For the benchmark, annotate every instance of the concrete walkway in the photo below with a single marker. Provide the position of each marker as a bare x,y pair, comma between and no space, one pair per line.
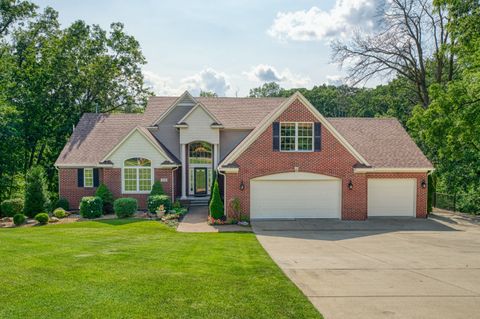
196,222
381,268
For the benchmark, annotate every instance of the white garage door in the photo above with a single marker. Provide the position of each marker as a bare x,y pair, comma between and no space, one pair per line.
391,197
295,195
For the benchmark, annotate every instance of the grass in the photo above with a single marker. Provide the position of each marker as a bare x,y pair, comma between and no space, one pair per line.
141,269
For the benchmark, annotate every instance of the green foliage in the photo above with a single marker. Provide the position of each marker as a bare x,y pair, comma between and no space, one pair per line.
270,89
216,204
63,203
107,198
431,193
11,207
59,212
125,207
236,207
157,189
91,207
154,201
42,218
177,204
208,94
19,219
36,196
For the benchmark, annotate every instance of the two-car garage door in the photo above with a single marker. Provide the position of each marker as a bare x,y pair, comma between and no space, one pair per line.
295,195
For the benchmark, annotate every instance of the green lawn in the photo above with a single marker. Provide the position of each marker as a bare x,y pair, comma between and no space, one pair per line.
140,269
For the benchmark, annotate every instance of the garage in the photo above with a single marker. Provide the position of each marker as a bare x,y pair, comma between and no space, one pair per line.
391,197
295,195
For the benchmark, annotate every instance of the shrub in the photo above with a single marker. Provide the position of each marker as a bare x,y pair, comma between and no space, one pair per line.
157,189
154,201
19,219
107,197
59,212
216,204
91,207
177,205
125,207
11,207
236,207
36,196
62,203
42,218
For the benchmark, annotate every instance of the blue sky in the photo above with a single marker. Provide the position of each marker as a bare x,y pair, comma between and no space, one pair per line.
229,46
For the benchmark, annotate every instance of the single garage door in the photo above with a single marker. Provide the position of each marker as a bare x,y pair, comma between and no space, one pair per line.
295,195
391,197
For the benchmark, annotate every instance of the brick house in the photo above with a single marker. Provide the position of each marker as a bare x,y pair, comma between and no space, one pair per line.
279,156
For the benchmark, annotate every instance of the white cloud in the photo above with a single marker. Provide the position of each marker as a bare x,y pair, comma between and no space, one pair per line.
335,80
316,24
266,73
205,80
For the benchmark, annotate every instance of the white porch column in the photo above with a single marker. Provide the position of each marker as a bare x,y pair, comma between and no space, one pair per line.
216,155
184,170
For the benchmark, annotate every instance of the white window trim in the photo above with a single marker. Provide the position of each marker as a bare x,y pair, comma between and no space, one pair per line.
296,150
84,178
137,174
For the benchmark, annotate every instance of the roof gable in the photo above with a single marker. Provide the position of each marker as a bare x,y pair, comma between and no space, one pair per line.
185,98
199,106
268,120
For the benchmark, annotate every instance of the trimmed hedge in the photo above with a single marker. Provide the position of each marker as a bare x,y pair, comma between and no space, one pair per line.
125,207
157,189
216,204
42,218
62,203
11,207
154,201
19,219
107,197
59,212
91,207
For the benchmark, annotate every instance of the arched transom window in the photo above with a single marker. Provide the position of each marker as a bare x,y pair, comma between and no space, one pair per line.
137,175
200,153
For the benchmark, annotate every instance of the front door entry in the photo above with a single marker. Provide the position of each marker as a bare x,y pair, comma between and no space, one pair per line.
200,180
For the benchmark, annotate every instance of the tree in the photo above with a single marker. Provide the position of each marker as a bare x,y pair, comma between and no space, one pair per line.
216,205
36,196
410,42
270,89
208,94
107,198
157,189
50,76
12,11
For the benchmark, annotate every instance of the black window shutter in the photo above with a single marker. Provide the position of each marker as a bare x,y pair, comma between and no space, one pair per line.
80,177
95,177
276,136
318,136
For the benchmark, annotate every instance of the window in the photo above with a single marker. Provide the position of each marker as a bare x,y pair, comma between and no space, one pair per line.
88,177
200,153
296,137
137,175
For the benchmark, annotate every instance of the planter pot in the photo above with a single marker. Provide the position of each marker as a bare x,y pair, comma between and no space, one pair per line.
160,214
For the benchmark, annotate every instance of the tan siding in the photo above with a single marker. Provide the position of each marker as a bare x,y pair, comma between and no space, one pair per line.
136,146
199,128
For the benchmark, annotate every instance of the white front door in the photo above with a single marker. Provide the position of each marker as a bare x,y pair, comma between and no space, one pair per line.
391,197
295,195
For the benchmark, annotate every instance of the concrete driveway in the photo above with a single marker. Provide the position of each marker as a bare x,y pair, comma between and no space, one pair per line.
383,268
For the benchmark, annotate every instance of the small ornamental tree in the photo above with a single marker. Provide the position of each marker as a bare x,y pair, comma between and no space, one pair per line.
157,189
216,204
107,198
214,179
36,196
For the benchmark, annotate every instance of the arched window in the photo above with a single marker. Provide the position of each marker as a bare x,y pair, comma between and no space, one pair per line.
137,175
200,153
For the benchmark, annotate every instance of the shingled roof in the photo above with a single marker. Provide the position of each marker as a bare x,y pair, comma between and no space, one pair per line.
383,143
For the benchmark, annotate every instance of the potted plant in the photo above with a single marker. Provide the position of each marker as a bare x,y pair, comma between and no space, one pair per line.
160,211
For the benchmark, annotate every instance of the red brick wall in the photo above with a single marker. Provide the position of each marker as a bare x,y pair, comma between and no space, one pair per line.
259,159
112,177
67,182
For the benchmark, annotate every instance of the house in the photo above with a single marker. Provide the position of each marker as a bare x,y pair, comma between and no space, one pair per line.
279,156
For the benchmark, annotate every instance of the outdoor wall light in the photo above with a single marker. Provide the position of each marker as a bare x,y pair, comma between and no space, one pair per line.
242,186
350,185
423,184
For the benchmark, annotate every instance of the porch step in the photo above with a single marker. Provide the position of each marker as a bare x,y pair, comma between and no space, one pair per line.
190,202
